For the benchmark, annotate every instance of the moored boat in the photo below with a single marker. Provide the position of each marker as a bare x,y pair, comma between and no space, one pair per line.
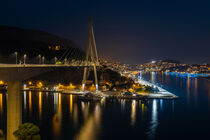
90,96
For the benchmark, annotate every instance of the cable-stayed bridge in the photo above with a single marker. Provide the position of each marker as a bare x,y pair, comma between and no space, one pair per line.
14,74
70,58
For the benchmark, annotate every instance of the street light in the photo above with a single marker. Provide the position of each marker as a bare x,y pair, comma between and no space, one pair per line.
39,56
24,58
16,53
56,59
43,59
65,60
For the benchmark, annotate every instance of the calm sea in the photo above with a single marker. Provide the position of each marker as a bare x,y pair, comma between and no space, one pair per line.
63,117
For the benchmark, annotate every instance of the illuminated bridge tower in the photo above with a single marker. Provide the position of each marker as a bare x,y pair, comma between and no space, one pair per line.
91,53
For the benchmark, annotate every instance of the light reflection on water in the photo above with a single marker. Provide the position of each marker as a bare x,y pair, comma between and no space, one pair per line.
161,104
153,77
196,89
209,93
75,115
122,104
55,102
188,89
56,120
91,127
59,107
30,103
133,112
1,105
40,105
62,116
24,97
154,120
85,110
71,104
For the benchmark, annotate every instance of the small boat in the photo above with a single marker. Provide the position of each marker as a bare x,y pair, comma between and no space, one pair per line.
90,97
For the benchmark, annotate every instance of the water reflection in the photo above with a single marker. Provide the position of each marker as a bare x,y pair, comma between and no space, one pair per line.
153,77
56,126
1,105
30,103
84,120
122,104
103,101
161,104
173,105
209,92
196,89
133,112
24,99
142,108
85,109
71,104
40,105
75,115
59,107
56,120
91,127
166,75
55,102
188,89
154,120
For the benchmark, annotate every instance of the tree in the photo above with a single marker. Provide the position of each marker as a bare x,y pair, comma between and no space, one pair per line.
27,131
1,135
148,89
140,89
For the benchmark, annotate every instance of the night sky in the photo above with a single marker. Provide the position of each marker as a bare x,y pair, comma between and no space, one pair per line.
131,31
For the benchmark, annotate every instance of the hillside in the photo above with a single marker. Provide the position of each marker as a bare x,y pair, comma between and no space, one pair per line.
33,43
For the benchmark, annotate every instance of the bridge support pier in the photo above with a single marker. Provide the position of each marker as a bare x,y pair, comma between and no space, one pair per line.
14,108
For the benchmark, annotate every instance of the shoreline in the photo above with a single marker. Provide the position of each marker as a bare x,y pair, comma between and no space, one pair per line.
161,94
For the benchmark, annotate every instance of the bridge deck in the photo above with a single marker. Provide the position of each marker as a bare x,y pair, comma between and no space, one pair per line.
41,65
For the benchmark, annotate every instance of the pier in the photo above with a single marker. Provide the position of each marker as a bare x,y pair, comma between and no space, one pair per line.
161,94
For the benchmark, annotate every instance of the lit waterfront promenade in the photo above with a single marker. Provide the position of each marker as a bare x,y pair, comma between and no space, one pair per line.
161,94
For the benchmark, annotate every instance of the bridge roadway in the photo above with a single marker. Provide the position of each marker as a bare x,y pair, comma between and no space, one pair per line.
42,65
14,74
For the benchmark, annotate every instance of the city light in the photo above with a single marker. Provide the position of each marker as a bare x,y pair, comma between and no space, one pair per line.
39,57
24,58
30,83
1,82
43,59
16,56
39,84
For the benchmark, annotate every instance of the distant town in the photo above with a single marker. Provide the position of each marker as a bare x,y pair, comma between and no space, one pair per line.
166,66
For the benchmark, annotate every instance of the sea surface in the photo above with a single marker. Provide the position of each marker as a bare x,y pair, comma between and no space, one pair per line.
63,117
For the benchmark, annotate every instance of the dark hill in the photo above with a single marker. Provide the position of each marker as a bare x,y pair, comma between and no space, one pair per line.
33,43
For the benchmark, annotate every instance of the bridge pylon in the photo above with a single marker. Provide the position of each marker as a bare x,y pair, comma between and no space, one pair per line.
91,53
